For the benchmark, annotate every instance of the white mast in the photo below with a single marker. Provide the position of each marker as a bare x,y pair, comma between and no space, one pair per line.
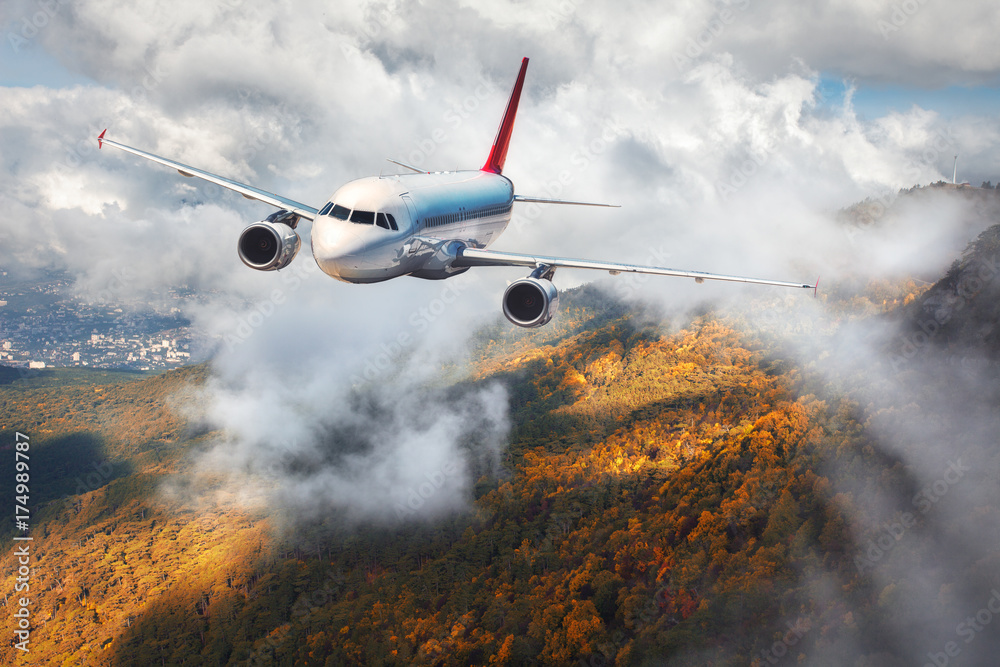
954,176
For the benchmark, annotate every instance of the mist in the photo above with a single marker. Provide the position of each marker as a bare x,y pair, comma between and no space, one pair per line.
920,492
338,409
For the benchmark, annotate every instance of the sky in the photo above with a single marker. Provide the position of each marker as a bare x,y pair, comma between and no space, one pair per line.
730,132
660,109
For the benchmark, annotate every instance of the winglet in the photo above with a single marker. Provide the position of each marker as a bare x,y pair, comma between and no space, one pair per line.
816,287
498,155
100,139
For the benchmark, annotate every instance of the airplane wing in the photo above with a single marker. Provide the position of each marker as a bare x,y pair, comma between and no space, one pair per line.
247,191
477,257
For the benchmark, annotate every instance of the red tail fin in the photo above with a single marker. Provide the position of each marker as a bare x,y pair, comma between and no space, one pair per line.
499,153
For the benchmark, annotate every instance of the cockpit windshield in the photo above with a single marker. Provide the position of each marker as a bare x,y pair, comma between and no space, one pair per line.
383,220
363,217
386,221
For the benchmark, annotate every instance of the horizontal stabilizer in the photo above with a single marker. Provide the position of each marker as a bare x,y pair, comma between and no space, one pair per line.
408,166
542,200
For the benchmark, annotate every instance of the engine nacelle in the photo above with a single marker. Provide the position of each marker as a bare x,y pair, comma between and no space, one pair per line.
270,244
530,302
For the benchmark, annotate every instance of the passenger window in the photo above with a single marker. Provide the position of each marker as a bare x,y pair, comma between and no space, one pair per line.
340,212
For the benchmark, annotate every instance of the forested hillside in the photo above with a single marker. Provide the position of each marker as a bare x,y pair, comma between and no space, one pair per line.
691,492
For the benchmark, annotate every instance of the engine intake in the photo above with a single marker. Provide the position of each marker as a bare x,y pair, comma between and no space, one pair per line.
530,302
271,244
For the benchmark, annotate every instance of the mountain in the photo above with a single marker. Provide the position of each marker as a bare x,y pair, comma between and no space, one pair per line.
695,491
962,310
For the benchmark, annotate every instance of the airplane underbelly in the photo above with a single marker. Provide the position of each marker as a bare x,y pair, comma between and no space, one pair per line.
375,267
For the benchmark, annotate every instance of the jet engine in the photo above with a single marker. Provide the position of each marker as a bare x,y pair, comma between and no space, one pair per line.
532,301
270,244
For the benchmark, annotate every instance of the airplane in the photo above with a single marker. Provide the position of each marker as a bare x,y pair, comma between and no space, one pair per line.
430,225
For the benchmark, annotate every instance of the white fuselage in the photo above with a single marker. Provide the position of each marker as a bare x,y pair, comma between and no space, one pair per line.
472,207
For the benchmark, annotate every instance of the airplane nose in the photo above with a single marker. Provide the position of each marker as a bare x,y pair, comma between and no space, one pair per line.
337,245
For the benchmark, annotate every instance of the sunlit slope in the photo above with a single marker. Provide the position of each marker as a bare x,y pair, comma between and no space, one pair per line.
584,545
104,548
